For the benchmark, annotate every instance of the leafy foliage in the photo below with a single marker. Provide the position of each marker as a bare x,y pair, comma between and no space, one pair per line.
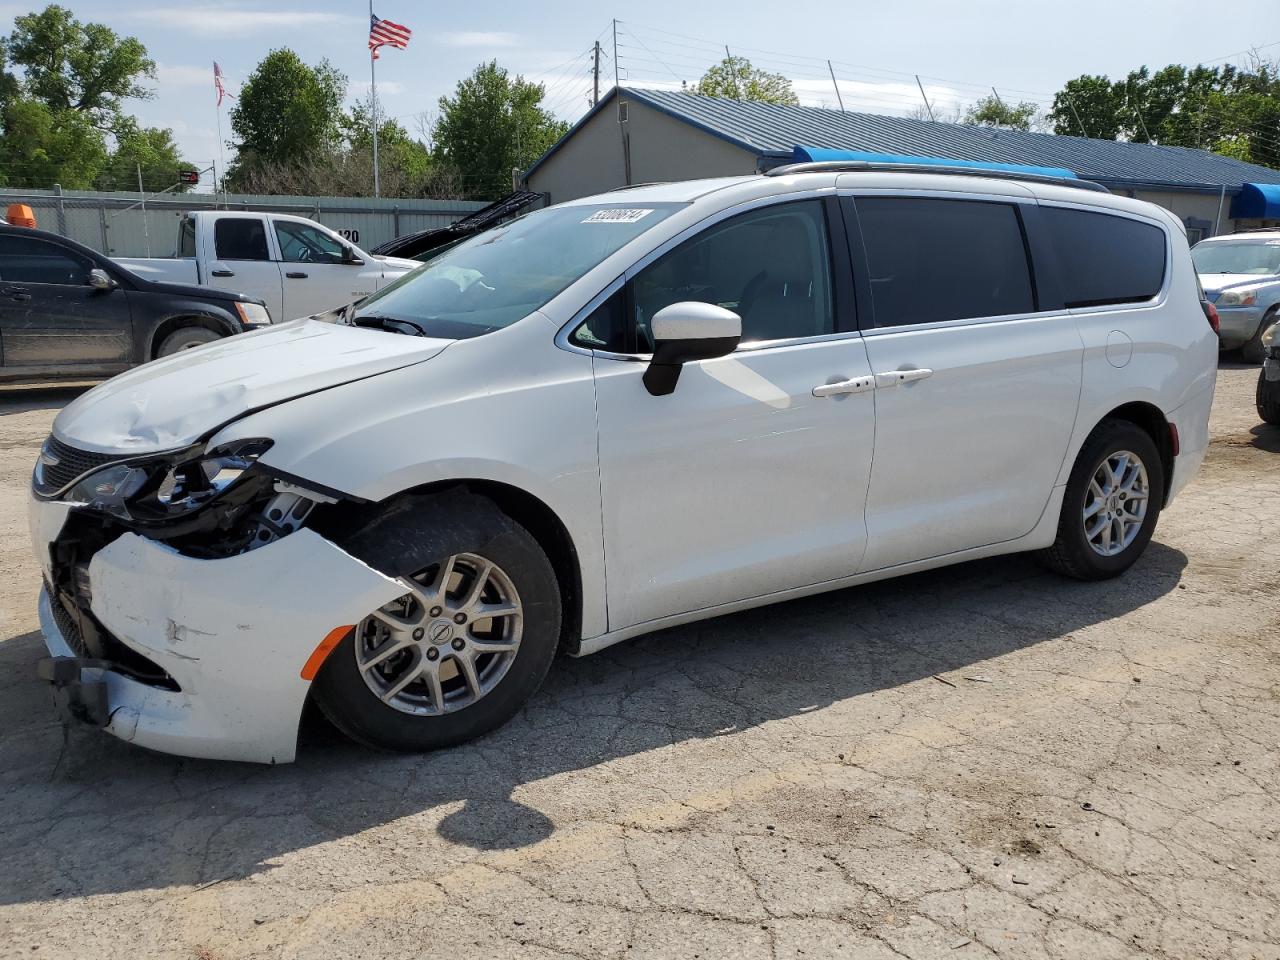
994,112
734,78
286,112
1227,109
61,113
491,124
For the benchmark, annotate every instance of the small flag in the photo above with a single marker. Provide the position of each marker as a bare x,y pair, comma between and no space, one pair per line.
217,82
384,32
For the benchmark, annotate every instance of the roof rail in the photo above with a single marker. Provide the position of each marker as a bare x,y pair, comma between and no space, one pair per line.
865,166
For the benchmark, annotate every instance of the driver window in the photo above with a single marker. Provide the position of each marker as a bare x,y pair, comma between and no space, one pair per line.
300,243
31,260
770,266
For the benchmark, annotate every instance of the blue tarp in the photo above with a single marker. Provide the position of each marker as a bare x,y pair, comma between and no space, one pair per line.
1257,201
812,154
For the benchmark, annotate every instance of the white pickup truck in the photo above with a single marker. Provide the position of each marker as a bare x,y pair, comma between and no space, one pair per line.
295,265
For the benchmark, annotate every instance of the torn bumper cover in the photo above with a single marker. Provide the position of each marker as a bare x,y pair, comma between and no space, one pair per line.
233,634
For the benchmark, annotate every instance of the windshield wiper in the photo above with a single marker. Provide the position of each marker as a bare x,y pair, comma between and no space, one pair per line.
387,323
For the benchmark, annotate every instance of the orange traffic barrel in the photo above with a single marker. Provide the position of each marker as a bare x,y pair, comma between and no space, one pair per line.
20,215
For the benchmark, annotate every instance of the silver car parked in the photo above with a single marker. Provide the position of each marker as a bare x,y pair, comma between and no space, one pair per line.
1240,274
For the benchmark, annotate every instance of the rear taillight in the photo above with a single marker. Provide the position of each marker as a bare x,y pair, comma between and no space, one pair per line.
1210,314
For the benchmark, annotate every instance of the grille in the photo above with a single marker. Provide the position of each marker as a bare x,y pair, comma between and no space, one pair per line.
67,625
69,463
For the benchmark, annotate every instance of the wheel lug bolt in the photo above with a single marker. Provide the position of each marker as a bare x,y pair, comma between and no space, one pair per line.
458,643
432,653
459,618
419,633
435,611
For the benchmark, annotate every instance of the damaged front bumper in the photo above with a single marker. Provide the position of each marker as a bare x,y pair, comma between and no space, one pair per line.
233,634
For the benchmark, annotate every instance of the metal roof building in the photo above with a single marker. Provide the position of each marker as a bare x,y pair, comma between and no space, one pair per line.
635,136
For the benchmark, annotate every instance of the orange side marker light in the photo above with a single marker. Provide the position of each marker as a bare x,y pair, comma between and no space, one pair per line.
321,653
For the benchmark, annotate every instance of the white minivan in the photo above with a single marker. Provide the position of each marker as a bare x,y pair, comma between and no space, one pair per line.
607,417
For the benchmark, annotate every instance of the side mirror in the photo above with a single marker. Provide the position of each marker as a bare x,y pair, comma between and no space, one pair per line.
99,279
684,332
349,257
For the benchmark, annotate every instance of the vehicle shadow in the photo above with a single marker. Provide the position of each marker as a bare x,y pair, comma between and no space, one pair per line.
1265,437
85,814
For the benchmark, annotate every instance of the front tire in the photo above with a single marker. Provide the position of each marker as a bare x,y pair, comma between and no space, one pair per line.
1253,351
1268,399
1111,505
466,645
186,338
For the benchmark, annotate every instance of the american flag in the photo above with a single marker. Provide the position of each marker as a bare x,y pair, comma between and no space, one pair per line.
384,32
217,82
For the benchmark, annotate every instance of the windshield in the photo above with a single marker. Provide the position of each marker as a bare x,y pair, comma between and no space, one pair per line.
503,275
1261,257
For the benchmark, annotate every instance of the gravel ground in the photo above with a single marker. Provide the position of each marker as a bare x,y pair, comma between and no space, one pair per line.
980,761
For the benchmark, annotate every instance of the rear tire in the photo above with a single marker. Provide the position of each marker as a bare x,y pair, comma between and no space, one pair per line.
451,537
1268,399
1117,475
187,338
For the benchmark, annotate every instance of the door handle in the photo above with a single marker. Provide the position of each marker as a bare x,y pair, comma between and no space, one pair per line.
296,275
891,378
841,387
223,273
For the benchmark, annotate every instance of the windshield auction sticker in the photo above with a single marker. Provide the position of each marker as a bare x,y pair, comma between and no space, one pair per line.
618,216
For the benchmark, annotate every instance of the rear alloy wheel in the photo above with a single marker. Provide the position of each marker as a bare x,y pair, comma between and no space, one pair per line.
1111,503
466,644
1253,350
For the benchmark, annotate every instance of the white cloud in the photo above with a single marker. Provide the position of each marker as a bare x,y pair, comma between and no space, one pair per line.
184,75
386,88
224,21
476,38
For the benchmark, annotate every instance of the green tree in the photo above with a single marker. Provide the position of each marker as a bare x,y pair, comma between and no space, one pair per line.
286,112
149,149
42,146
71,65
994,112
397,150
1234,111
734,78
491,124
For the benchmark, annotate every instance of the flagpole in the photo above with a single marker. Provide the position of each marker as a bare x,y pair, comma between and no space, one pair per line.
222,160
373,111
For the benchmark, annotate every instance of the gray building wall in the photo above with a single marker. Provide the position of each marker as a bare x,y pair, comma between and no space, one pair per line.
662,149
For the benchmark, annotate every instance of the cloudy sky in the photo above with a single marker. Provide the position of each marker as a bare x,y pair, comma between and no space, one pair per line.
1025,50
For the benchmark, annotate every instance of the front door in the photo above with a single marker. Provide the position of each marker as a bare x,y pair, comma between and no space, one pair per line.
51,319
976,391
742,482
243,263
319,272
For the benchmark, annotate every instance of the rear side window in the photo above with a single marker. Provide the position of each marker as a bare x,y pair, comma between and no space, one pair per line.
1105,259
237,238
937,260
187,239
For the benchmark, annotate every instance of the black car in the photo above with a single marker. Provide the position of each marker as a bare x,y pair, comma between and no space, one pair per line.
67,312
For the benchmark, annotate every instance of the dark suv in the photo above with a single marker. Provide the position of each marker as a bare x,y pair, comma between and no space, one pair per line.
67,312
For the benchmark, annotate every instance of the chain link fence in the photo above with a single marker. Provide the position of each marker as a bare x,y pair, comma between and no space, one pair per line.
122,224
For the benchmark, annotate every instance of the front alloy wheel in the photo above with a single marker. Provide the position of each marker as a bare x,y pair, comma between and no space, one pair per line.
466,644
447,642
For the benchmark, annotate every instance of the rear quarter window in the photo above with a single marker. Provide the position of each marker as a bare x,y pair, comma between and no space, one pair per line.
1105,259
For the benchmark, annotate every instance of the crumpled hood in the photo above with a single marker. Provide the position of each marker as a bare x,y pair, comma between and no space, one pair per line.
1217,282
175,401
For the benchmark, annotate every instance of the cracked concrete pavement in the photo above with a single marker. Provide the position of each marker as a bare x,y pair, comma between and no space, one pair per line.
1097,777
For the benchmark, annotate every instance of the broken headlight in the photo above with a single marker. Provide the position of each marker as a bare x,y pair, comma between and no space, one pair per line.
167,487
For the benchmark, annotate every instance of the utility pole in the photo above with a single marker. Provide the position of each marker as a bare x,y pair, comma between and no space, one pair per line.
595,73
839,99
1080,123
728,62
923,97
